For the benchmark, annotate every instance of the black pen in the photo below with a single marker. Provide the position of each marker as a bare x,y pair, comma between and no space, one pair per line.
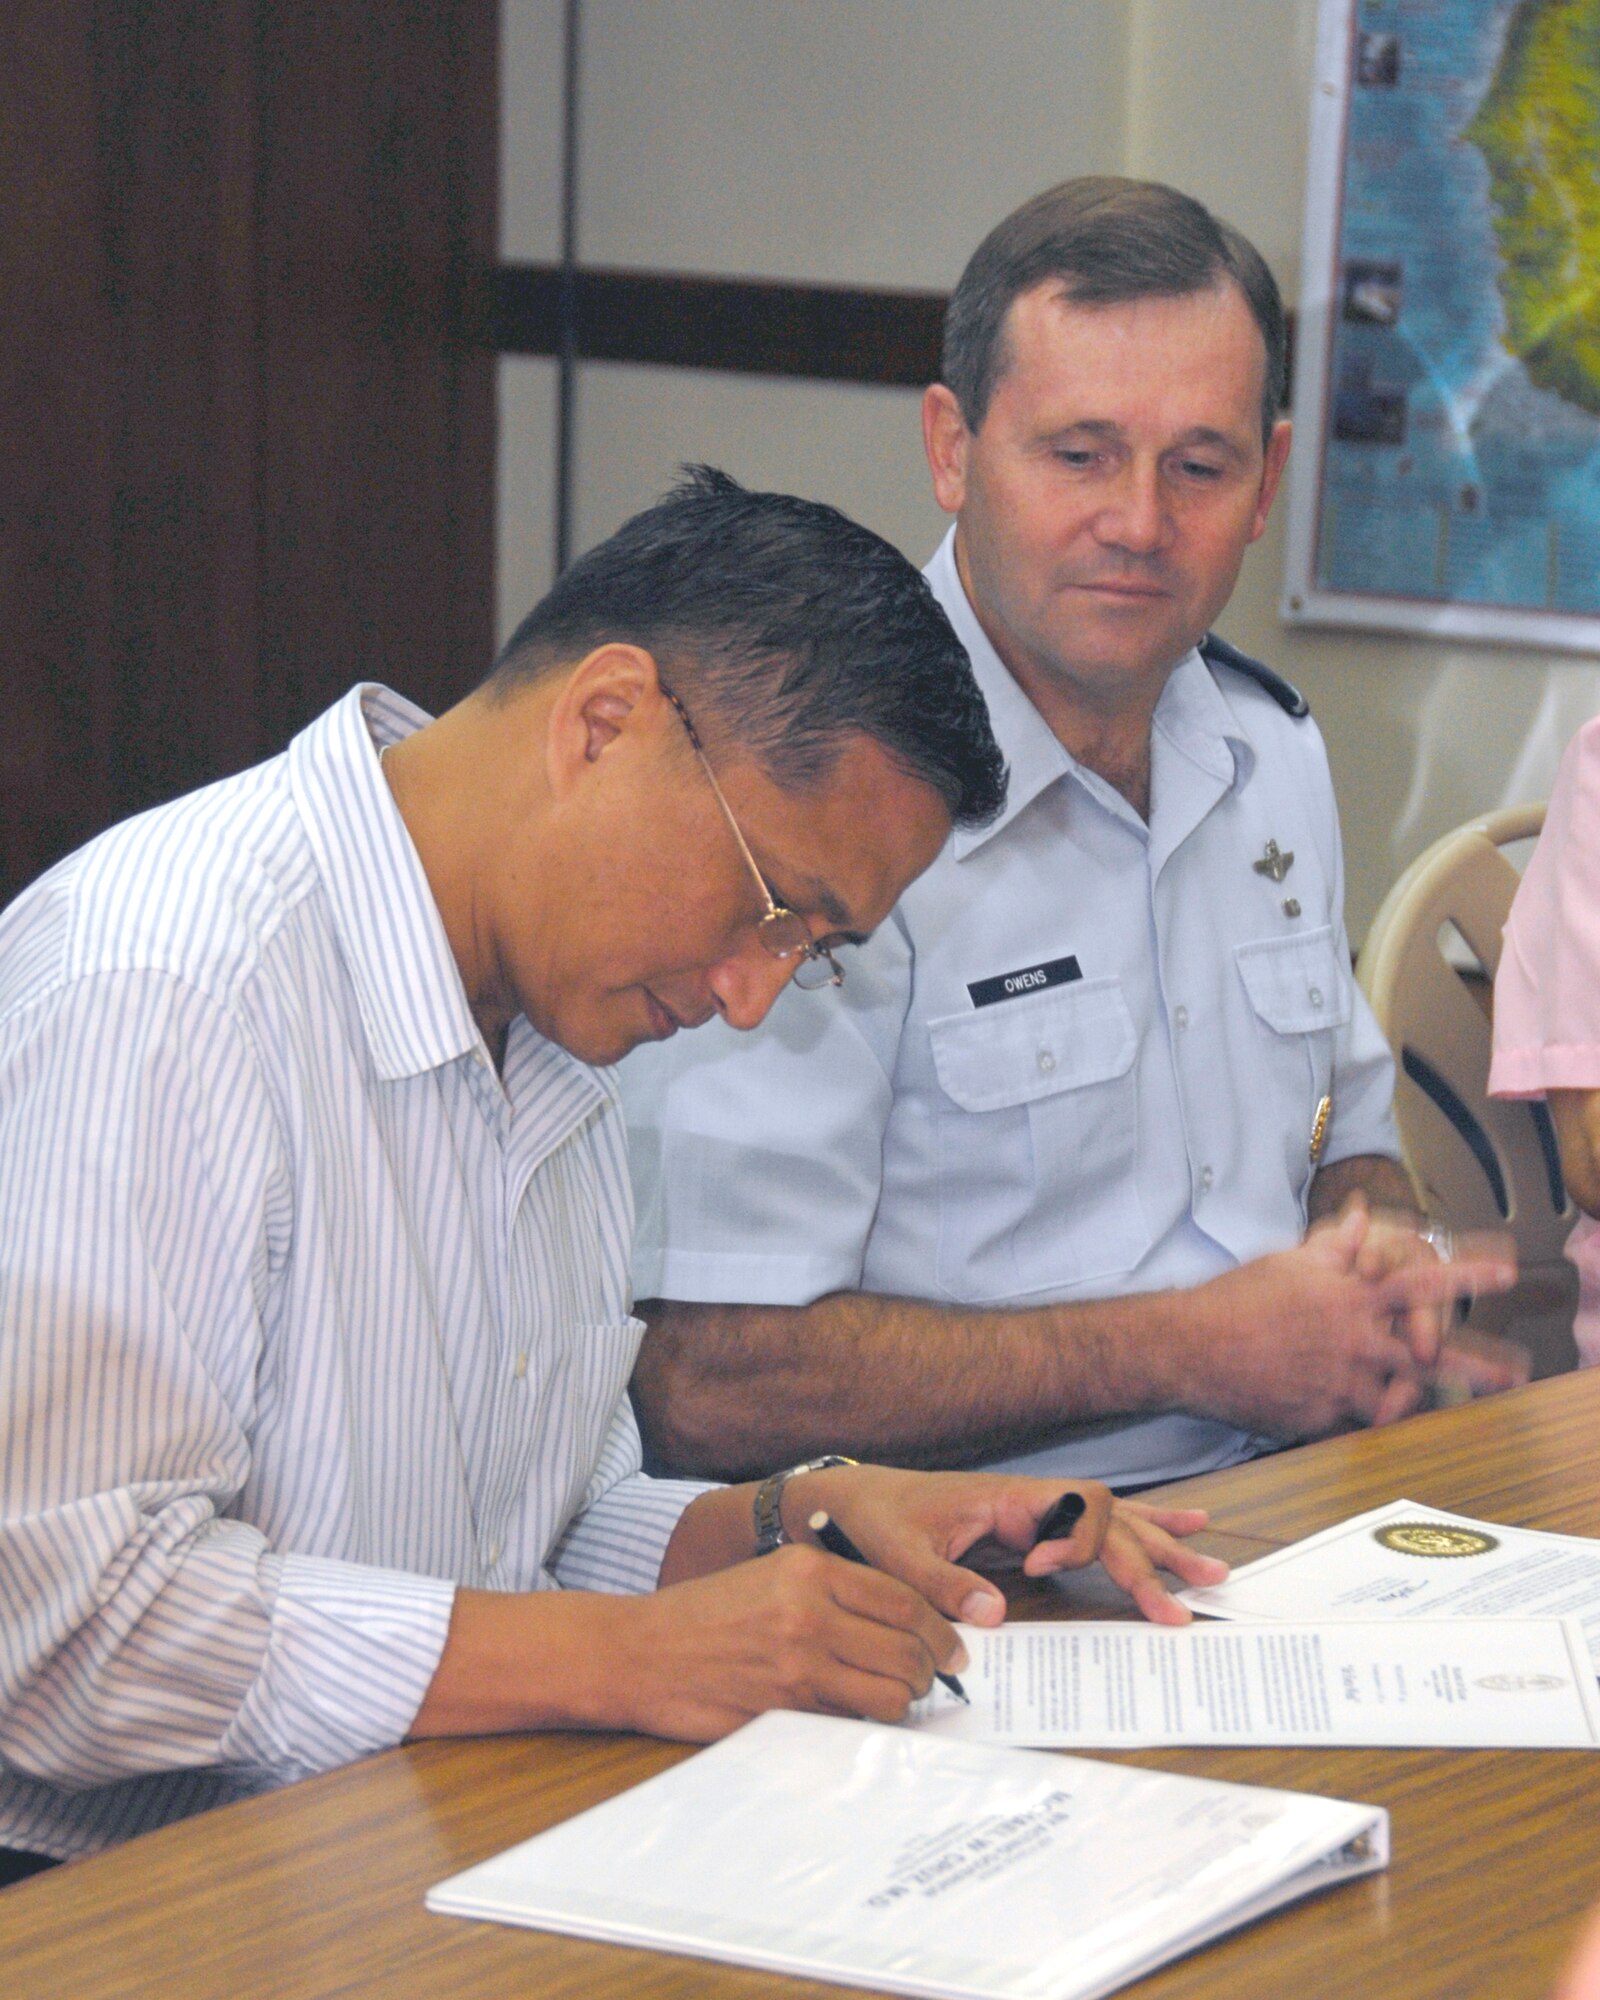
834,1539
1063,1517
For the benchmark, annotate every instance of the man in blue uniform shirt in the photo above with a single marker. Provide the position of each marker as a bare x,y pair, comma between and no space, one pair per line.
1034,1187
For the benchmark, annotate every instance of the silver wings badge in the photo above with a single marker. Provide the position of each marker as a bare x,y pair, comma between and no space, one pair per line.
1274,862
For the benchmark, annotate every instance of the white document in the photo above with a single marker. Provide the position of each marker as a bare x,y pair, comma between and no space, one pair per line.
880,1857
1522,1683
1406,1561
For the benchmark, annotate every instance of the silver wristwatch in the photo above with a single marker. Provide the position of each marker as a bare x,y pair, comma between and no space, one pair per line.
769,1500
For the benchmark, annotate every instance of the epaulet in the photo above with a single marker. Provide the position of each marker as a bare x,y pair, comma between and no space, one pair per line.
1218,653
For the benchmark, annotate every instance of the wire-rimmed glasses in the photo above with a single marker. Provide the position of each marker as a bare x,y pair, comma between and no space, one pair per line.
782,933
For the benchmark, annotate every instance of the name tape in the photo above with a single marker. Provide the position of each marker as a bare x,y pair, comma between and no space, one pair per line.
1028,979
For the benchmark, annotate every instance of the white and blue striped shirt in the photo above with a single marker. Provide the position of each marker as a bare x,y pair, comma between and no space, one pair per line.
306,1314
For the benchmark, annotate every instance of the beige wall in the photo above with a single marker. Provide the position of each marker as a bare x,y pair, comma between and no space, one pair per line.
836,141
873,142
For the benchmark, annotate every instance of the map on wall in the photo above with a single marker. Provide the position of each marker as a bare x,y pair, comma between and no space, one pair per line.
1446,475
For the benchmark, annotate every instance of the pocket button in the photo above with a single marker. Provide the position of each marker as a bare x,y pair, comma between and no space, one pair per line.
1047,1061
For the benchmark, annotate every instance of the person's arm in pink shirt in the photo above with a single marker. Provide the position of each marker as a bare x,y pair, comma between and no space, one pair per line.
1547,991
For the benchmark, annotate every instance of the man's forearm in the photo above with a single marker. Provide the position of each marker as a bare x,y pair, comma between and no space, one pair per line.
732,1391
570,1659
1297,1343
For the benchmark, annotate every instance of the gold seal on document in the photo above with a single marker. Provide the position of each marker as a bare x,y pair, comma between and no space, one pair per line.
1434,1538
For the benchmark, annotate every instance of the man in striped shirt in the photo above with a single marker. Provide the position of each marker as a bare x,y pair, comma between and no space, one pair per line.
314,1211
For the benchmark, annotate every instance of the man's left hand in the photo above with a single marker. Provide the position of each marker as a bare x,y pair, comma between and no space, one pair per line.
920,1526
1451,1363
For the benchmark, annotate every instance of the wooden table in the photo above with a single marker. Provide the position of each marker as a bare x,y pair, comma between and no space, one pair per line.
317,1890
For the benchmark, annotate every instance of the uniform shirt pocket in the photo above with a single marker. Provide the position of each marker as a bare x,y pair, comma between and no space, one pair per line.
1036,1119
1302,993
1297,985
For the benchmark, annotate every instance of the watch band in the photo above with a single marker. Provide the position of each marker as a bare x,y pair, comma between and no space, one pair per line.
769,1499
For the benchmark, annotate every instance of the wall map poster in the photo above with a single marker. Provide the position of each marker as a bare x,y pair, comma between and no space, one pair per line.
1446,474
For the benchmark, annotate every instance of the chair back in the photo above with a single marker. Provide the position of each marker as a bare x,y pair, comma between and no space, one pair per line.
1476,1163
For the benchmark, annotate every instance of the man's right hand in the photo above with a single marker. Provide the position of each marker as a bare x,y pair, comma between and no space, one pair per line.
1301,1343
796,1629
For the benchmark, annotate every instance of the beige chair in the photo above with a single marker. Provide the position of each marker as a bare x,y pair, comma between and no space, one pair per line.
1476,1163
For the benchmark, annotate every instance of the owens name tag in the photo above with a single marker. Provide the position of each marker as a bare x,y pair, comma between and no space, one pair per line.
1031,979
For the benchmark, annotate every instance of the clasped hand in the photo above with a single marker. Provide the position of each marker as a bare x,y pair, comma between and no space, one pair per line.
1347,1328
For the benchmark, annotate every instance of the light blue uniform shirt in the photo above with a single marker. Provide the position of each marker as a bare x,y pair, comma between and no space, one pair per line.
1144,1124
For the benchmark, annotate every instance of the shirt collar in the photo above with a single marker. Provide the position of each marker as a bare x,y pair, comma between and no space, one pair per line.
1193,714
391,936
1034,756
408,986
1196,717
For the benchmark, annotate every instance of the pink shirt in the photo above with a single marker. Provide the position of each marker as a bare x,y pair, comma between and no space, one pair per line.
1547,991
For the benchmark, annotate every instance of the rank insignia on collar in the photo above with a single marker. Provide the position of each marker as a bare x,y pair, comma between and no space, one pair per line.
1274,862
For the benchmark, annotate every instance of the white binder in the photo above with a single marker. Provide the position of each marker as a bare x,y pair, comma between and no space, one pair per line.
889,1858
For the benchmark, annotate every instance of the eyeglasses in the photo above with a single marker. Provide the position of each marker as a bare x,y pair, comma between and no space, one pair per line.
782,934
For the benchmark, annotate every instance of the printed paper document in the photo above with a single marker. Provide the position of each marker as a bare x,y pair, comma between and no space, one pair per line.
881,1857
1406,1561
1476,1684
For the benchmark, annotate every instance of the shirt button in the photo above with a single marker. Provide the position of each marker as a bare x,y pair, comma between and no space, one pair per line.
1181,1016
1315,996
1206,1179
520,1367
1047,1061
494,1555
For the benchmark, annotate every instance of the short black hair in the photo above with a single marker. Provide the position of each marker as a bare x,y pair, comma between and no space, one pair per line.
1106,241
785,627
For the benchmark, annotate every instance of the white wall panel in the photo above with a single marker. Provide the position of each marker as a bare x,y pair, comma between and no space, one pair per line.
525,477
858,448
531,59
863,142
1219,104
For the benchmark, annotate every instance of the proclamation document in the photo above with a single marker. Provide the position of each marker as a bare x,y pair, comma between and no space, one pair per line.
1406,1561
886,1858
1515,1683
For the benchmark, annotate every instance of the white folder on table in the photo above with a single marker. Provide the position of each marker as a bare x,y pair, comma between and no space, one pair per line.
889,1858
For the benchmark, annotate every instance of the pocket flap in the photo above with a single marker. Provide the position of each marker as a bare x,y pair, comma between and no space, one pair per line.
1026,1049
1296,984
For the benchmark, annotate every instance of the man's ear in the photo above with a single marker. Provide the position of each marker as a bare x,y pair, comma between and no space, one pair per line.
607,695
945,439
1277,457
